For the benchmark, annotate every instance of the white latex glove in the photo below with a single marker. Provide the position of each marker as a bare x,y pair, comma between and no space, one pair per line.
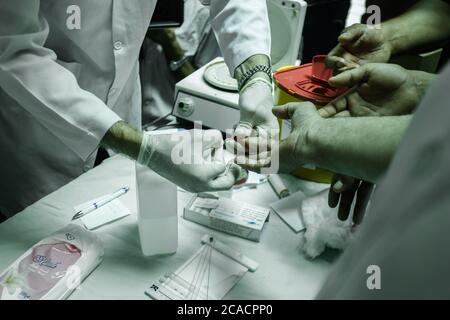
256,103
323,228
191,159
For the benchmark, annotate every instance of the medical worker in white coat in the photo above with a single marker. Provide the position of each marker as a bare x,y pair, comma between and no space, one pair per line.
69,83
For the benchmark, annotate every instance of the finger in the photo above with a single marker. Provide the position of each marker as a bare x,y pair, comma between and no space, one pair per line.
340,183
343,114
343,62
226,181
235,147
357,106
328,111
333,107
283,111
298,112
334,58
350,66
218,155
256,165
211,145
260,156
255,145
212,139
333,196
351,34
343,183
352,60
335,52
346,201
350,78
362,200
243,129
265,131
287,111
214,169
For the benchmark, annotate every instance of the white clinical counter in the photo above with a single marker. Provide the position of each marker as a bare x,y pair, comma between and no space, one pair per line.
283,273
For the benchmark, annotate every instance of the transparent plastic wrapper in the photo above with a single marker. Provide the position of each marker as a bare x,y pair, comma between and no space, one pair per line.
53,267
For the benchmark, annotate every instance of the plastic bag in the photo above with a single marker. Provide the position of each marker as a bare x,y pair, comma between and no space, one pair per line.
53,267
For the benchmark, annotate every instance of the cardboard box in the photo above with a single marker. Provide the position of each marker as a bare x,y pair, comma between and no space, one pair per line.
227,215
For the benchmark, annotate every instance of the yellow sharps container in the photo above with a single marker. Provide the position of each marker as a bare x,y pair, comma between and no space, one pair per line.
308,82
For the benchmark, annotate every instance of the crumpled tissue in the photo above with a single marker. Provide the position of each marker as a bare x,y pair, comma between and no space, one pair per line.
323,228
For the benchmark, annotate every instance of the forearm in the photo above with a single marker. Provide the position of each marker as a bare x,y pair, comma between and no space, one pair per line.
358,147
425,24
242,29
123,138
172,51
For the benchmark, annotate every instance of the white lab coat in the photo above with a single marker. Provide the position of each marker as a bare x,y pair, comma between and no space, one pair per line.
62,88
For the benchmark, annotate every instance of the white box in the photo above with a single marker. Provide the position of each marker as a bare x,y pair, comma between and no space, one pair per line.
157,212
227,215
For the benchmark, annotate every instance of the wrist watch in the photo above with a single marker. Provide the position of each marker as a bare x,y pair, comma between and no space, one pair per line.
258,63
175,65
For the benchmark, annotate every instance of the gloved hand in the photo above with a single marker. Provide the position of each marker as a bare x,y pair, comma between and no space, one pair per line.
383,90
256,103
291,152
191,159
359,44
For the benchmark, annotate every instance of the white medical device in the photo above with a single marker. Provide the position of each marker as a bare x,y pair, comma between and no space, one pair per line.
210,94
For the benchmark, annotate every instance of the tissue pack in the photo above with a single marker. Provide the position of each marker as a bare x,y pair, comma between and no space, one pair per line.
53,267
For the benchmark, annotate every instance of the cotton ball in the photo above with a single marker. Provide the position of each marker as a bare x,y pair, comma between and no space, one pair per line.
323,228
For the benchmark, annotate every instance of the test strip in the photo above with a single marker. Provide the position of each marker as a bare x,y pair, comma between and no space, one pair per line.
231,253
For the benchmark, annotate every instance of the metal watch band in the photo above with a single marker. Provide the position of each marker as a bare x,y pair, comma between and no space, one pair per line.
250,72
175,65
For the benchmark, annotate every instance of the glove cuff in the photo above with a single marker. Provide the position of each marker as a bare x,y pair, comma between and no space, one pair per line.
256,80
145,152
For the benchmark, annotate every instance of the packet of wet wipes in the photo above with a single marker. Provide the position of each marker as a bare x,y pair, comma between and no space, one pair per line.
53,267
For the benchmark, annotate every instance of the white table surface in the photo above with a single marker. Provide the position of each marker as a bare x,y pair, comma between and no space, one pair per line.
284,273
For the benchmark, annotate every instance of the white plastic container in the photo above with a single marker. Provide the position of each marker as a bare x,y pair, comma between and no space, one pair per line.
157,212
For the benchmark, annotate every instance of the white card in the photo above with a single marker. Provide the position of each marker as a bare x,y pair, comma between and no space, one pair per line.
289,210
254,178
107,213
208,275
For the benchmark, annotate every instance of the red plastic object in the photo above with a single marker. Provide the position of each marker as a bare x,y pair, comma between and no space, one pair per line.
309,82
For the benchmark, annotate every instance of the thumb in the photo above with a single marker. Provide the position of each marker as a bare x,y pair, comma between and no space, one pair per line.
282,111
298,112
227,180
350,78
